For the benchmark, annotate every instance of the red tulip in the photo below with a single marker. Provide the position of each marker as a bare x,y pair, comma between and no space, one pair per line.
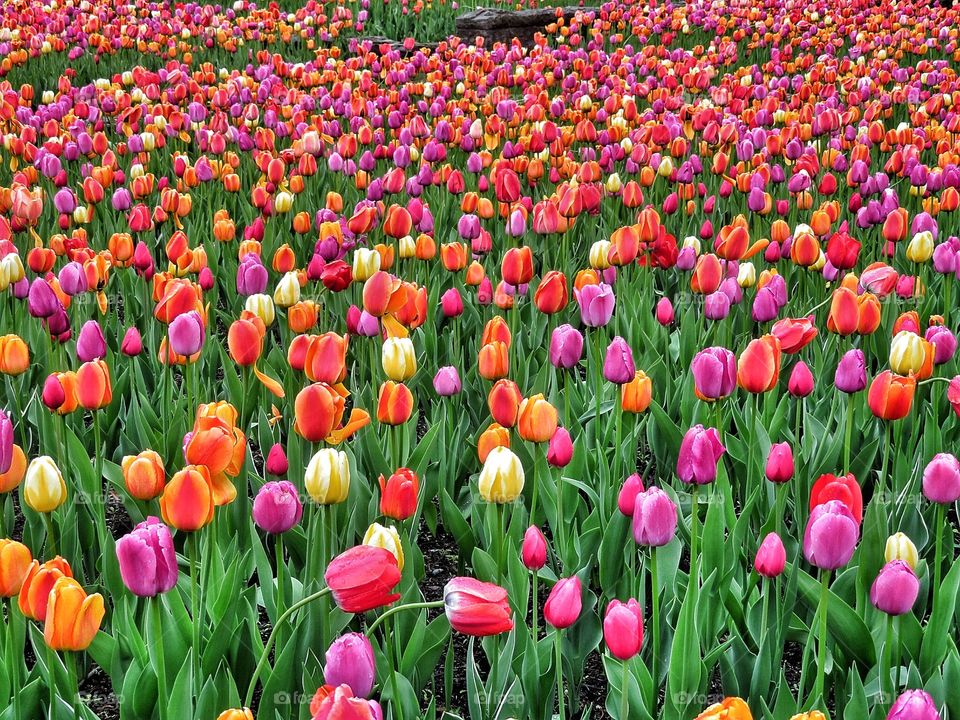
363,578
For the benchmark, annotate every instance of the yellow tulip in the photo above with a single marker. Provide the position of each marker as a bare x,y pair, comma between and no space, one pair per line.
366,262
920,247
501,479
43,488
900,547
907,353
399,358
287,292
328,476
262,306
387,538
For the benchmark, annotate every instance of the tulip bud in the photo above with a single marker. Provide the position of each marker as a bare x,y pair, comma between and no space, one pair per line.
779,463
895,589
627,498
44,489
148,561
623,628
447,381
132,344
350,661
277,463
851,374
534,549
800,384
900,547
387,538
941,479
560,450
328,477
654,518
771,557
564,603
501,479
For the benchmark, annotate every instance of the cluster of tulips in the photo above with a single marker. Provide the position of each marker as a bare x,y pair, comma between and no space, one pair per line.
614,376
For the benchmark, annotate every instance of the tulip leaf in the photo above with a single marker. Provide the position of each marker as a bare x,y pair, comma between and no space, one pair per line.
937,632
843,623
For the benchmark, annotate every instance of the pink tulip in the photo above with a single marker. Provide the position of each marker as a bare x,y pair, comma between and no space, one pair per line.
533,552
779,463
895,589
831,536
771,557
564,603
350,661
700,452
623,628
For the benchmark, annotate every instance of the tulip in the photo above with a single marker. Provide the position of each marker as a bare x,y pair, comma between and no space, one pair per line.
362,578
779,467
900,547
14,355
566,347
800,384
236,714
731,708
564,603
277,463
503,401
6,442
895,589
794,334
551,295
262,307
501,479
387,538
714,373
831,535
851,374
451,303
327,478
73,618
914,705
399,494
536,419
627,497
132,344
560,449
845,489
533,551
596,304
654,518
91,345
908,353
399,359
700,451
758,368
44,489
664,311
340,704
476,608
941,479
771,556
636,395
350,661
277,507
187,334
944,343
148,561
891,396
94,388
395,403
618,364
493,362
716,306
15,563
446,382
623,628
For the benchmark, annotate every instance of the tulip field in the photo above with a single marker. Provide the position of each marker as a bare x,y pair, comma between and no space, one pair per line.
354,370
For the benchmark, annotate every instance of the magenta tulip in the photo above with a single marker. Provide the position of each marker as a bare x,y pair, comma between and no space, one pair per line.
187,333
566,347
627,498
941,479
895,589
618,364
277,507
654,518
148,561
700,452
714,373
533,552
623,628
596,304
771,556
564,603
350,661
831,536
914,705
779,467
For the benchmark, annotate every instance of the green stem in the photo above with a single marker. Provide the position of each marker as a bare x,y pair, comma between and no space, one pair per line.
624,692
558,662
279,599
51,534
272,638
885,464
52,679
694,532
655,622
407,606
887,698
535,614
896,658
500,552
195,610
940,524
822,646
70,660
848,434
156,607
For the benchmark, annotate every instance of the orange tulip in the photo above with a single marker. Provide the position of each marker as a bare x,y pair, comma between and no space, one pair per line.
302,316
73,617
732,708
707,274
221,449
517,265
383,293
454,256
15,562
326,358
12,478
318,413
493,436
624,245
187,502
869,313
635,396
805,249
245,340
494,361
144,475
94,390
397,222
536,419
504,400
14,355
551,295
395,403
38,583
844,314
890,396
758,367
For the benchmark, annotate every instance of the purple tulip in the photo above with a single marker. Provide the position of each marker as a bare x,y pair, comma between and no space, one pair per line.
618,364
941,479
654,518
148,561
42,301
851,374
765,305
566,347
596,304
73,280
716,306
187,334
447,381
91,345
277,507
896,588
944,343
686,258
251,276
831,536
714,373
914,705
350,661
6,442
700,452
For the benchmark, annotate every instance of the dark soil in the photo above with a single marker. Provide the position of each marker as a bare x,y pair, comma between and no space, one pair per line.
97,694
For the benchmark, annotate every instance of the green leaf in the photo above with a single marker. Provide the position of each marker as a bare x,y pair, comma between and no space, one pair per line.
937,633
